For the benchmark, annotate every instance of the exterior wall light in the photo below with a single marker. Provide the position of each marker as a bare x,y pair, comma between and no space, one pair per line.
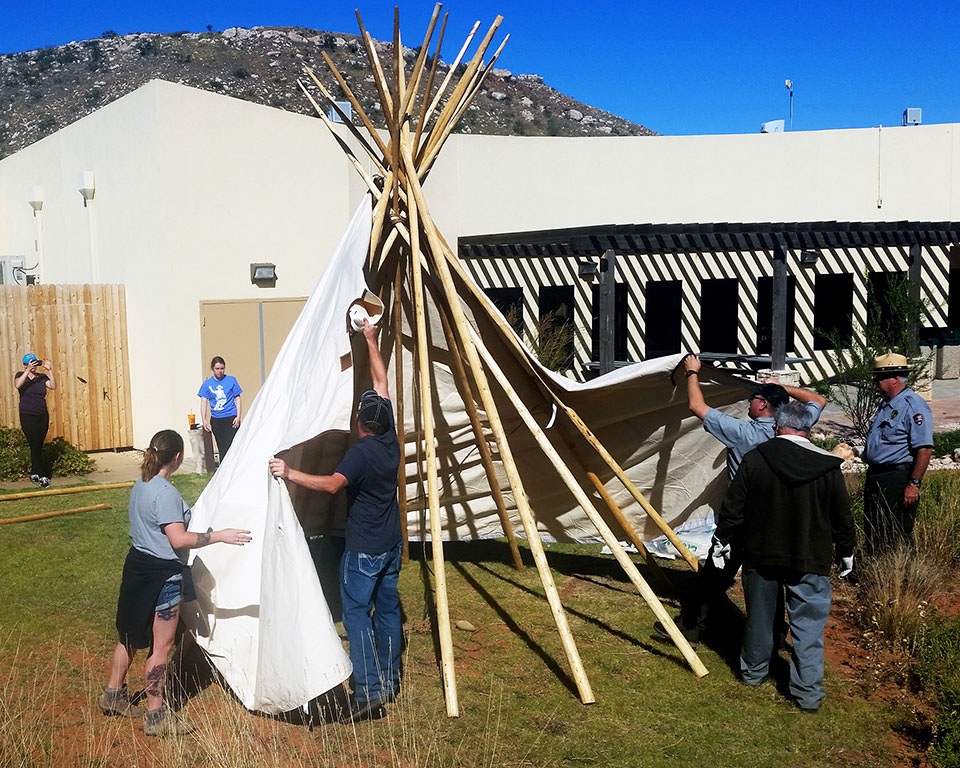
263,275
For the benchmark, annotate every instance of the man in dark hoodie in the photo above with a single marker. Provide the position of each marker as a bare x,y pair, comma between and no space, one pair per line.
785,511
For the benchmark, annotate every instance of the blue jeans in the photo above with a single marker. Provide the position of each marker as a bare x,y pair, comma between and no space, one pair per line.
808,606
369,582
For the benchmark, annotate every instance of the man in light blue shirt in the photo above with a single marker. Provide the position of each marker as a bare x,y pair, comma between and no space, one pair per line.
740,436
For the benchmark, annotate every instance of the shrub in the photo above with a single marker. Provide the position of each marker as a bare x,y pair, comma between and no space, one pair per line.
827,443
62,457
938,670
108,34
240,73
945,443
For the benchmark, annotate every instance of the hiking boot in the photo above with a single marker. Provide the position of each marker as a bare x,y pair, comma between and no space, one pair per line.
34,478
114,702
692,636
44,482
162,722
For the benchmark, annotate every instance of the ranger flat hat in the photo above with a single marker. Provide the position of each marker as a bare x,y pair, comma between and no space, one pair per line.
890,364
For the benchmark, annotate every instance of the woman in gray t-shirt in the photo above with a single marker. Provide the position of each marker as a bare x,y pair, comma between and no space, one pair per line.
153,584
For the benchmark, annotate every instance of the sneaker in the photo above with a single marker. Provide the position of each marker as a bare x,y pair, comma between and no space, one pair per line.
162,722
117,703
34,478
44,482
692,636
363,710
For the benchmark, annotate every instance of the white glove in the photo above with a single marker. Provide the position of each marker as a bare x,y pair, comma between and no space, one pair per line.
719,553
845,567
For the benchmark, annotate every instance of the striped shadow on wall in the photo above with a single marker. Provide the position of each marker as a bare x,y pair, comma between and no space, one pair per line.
690,287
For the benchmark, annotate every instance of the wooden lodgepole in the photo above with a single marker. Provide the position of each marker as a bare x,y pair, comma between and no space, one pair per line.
401,434
608,536
574,417
58,513
433,494
506,455
628,529
466,394
61,491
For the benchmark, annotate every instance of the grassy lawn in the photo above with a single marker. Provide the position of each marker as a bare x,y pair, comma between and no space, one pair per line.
518,704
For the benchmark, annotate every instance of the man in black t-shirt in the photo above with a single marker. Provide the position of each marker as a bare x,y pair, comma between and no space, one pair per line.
370,565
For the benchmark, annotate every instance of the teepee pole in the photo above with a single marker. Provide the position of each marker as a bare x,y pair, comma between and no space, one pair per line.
506,454
571,414
425,119
584,501
446,114
417,73
401,431
466,394
628,529
433,494
377,159
429,87
355,104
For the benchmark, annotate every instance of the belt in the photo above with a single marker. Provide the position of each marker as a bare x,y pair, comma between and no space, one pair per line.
889,467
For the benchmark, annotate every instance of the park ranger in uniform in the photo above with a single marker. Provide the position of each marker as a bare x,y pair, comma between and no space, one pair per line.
899,446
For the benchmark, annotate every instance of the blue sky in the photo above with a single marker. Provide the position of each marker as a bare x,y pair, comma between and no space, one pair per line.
684,67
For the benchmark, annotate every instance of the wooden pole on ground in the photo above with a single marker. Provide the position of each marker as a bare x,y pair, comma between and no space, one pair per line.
58,513
61,491
608,536
506,456
433,495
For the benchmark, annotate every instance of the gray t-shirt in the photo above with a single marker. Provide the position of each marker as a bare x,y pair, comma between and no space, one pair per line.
153,505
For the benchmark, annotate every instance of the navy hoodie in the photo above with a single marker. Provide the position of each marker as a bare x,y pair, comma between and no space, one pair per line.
788,507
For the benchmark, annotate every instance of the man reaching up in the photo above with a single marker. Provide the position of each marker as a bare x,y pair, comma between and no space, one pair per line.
370,565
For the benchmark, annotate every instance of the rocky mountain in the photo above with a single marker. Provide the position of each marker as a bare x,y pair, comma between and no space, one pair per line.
47,89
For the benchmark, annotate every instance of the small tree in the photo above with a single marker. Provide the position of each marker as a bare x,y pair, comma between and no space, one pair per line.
892,320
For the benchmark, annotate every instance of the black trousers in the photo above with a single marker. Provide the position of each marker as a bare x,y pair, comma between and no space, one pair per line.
887,521
711,585
223,431
35,426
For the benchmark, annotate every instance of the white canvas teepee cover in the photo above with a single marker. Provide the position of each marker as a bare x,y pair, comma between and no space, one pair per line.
261,613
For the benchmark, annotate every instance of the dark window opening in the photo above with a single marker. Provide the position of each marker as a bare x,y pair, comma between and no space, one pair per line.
953,307
833,311
554,344
719,313
510,302
619,322
765,314
662,318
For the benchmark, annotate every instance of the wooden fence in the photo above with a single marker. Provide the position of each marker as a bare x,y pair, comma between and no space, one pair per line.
83,329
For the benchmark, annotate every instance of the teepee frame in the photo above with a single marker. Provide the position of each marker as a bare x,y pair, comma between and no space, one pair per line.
405,239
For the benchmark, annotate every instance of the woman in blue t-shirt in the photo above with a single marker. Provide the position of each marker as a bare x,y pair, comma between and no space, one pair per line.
220,405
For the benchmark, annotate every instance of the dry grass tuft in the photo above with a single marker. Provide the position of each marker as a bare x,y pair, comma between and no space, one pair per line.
896,589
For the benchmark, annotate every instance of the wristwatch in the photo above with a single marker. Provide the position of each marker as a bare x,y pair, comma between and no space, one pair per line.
688,374
914,481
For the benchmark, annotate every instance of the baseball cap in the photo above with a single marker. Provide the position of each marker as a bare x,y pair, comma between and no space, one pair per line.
29,358
774,394
374,410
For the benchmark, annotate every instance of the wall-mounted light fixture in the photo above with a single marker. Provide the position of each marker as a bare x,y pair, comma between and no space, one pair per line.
88,187
809,257
263,275
587,268
36,199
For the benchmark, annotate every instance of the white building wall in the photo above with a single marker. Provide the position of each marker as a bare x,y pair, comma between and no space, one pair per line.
191,187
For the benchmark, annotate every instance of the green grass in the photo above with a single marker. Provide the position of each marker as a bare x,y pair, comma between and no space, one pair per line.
518,704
